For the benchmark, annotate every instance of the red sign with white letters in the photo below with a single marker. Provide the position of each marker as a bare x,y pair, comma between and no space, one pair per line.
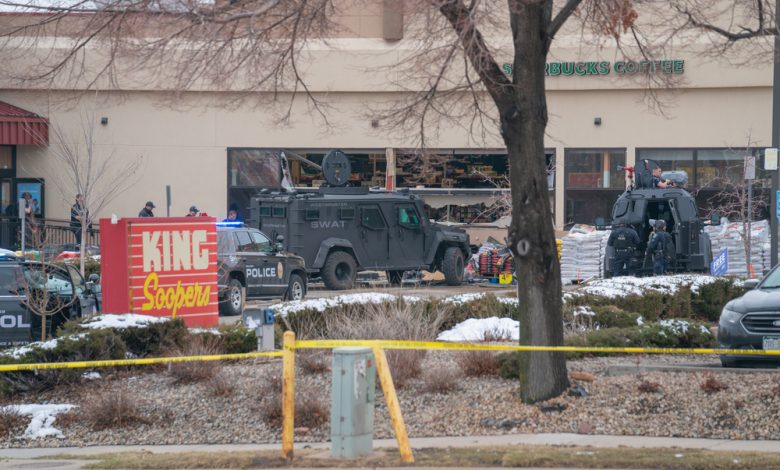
165,267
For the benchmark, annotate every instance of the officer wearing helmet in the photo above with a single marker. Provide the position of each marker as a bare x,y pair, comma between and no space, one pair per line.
625,241
661,248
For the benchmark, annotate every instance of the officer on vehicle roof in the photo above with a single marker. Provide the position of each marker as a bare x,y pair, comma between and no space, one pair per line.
625,240
659,182
661,247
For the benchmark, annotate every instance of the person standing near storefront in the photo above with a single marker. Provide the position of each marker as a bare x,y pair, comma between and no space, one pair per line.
147,210
625,241
661,248
77,214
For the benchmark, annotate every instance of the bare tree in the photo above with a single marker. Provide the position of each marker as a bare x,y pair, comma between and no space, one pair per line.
94,177
452,77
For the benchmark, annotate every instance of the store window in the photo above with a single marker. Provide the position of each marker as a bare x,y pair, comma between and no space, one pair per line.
670,159
593,181
719,168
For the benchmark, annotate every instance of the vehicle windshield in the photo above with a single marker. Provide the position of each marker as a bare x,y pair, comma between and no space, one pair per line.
771,281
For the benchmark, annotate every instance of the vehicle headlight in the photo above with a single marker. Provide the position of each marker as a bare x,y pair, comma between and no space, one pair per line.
730,316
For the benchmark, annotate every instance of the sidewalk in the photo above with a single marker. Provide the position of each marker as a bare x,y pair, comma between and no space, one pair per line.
423,442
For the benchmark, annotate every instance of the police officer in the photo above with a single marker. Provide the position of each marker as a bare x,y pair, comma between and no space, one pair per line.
657,248
625,241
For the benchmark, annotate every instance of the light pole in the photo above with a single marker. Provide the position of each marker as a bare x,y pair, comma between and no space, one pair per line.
775,136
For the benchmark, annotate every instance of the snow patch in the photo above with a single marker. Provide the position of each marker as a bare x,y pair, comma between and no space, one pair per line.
127,320
509,301
463,298
478,329
628,285
91,375
209,331
584,310
16,353
322,304
43,417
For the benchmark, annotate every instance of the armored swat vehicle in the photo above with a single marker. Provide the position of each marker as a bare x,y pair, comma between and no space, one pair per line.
645,202
341,230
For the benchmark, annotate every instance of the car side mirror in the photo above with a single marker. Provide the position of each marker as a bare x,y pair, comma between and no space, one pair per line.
714,218
750,284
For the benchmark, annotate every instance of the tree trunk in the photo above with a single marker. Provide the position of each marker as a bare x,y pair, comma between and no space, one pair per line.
531,236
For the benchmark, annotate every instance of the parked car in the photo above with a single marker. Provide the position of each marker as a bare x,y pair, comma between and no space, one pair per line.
26,284
752,322
248,260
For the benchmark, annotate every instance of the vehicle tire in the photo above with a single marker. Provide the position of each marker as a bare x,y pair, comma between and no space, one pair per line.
233,303
452,265
296,289
339,271
395,277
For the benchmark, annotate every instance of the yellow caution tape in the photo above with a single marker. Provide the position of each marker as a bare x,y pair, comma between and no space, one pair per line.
438,345
134,362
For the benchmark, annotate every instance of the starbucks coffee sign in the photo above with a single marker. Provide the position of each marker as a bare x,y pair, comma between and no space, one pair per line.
622,67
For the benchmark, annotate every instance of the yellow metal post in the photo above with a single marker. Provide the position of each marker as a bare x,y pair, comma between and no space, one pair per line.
288,394
391,399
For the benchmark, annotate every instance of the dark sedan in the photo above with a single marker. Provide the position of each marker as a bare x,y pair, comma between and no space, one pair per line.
752,322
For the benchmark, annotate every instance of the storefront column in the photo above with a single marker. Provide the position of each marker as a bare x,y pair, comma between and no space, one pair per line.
560,206
390,173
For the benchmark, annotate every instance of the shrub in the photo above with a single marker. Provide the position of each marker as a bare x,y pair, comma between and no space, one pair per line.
237,339
11,423
611,316
477,363
219,385
712,385
313,362
711,298
310,410
89,346
485,307
648,387
441,380
196,371
155,338
111,409
509,364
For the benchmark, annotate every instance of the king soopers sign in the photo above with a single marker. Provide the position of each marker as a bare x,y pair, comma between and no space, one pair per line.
622,67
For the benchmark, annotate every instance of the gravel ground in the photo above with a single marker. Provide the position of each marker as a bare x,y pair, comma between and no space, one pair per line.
190,414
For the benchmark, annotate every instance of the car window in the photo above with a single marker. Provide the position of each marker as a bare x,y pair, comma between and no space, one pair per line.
244,241
407,217
76,278
225,242
261,242
371,218
38,276
9,280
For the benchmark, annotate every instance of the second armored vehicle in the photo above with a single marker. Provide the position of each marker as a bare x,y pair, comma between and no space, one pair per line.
644,203
342,230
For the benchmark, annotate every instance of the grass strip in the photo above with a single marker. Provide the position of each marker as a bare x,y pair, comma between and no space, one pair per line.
505,456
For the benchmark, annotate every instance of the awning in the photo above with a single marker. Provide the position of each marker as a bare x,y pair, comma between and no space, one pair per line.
21,127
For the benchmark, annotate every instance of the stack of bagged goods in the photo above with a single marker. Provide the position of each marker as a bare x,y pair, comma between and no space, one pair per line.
582,254
492,259
729,236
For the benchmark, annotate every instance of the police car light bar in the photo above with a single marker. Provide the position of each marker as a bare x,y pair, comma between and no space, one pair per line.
230,224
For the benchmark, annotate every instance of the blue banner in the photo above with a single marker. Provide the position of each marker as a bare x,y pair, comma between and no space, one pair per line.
720,265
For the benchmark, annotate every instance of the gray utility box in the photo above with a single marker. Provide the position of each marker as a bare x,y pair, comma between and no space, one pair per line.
262,322
352,406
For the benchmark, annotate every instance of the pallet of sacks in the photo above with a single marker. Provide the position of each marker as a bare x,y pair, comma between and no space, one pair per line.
582,253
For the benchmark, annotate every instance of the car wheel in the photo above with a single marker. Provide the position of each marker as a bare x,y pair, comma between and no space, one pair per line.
296,290
395,277
233,303
452,266
339,271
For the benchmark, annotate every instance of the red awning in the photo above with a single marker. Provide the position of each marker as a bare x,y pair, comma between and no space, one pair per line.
22,127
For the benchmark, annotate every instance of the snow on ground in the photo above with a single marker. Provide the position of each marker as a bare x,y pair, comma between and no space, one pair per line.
92,375
628,285
322,304
127,320
509,300
16,353
43,417
584,310
463,298
481,329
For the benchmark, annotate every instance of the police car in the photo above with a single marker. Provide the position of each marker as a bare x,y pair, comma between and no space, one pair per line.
25,285
249,261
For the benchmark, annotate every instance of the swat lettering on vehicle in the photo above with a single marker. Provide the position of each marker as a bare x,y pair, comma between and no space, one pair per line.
327,224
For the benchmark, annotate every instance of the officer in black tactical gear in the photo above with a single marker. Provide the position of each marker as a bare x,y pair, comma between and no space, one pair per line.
625,241
661,247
